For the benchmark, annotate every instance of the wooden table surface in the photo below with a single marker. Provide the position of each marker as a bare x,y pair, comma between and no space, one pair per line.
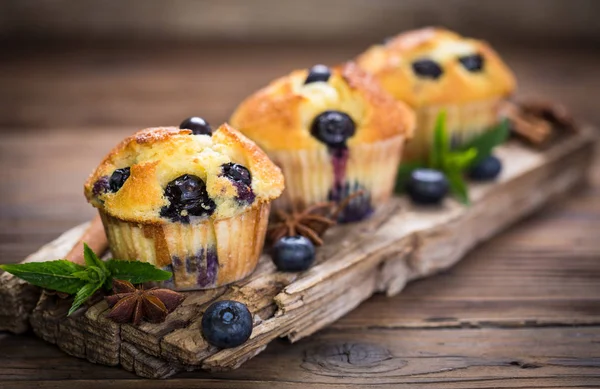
525,305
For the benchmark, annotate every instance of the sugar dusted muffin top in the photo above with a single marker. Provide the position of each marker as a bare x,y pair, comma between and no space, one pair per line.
168,174
280,116
436,66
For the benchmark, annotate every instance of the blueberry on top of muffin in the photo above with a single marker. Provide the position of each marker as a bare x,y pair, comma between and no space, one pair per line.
433,66
169,174
322,107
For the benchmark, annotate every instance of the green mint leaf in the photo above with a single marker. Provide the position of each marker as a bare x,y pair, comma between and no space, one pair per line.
84,293
136,272
460,160
91,259
108,283
83,275
486,141
55,275
440,142
458,186
403,175
92,274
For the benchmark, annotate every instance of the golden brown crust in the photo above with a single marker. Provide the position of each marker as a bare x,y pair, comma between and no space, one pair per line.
391,64
279,116
156,156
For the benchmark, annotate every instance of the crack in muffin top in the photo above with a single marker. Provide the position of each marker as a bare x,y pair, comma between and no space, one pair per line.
280,116
216,176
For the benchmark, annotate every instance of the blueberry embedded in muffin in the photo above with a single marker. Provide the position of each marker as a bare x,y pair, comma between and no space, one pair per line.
187,197
198,203
333,131
333,128
118,178
241,179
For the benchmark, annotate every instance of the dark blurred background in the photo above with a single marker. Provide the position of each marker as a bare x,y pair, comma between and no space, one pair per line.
521,21
76,76
151,62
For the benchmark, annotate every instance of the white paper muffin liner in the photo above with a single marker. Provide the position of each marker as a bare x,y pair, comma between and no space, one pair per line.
463,121
309,176
201,255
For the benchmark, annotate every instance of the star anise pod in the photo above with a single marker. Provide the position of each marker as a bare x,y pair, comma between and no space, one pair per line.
131,305
310,222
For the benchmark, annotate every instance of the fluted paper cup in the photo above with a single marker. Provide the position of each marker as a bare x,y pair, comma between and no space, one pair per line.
463,122
310,176
201,255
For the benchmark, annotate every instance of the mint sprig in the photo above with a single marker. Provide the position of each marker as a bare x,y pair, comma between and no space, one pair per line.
83,295
454,162
486,141
83,281
136,272
56,275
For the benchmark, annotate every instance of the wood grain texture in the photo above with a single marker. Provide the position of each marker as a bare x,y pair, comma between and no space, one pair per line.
401,242
372,358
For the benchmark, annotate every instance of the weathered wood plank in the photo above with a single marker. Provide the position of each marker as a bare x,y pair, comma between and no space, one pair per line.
422,358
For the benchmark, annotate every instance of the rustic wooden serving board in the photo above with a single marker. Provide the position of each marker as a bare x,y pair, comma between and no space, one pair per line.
401,242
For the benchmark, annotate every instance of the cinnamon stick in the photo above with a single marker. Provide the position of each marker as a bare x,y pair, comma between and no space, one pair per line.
94,237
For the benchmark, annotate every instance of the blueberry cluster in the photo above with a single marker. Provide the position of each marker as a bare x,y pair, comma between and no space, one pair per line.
429,186
187,197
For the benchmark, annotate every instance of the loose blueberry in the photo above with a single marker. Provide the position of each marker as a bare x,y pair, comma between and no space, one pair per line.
473,63
198,126
486,169
237,172
227,324
333,128
118,178
318,73
187,197
426,68
427,186
293,253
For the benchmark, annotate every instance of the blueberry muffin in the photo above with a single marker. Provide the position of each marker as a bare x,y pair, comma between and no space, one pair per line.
191,201
333,132
433,69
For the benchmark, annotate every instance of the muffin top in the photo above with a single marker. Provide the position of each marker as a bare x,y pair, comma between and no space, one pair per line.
320,107
168,174
435,66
